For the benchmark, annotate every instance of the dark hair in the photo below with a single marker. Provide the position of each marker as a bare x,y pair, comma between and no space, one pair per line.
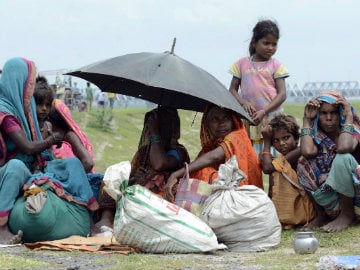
286,122
262,29
43,91
211,106
57,120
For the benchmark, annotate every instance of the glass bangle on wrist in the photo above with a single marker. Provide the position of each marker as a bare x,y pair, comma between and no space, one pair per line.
348,128
263,153
307,131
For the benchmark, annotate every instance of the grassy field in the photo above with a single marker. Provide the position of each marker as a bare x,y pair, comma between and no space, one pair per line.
115,137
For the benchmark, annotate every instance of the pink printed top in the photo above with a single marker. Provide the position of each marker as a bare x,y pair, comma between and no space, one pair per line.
258,80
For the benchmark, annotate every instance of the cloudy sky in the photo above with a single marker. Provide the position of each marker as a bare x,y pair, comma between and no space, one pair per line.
319,39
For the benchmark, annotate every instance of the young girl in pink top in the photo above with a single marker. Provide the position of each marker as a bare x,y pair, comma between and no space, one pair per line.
261,79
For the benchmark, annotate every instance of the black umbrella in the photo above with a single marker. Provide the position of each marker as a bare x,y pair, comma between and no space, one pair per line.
162,78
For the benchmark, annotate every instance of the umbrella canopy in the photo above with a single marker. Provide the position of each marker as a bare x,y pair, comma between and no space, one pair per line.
162,78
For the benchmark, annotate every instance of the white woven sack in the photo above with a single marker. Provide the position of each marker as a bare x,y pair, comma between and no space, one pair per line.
114,176
145,220
243,218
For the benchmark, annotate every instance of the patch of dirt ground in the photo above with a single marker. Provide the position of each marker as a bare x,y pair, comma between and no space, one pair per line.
63,260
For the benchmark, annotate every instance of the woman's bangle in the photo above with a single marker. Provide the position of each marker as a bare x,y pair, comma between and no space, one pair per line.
154,139
263,153
348,128
307,131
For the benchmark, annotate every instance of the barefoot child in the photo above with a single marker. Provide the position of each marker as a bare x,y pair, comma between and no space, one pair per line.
292,203
261,79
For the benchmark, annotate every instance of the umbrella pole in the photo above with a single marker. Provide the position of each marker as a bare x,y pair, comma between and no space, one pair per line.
173,46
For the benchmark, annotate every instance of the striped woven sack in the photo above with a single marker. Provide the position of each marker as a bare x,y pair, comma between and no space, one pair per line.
191,193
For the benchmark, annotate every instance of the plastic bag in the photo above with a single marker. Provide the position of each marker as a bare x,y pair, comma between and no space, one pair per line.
191,193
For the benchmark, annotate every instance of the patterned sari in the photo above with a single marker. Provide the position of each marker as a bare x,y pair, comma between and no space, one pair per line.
330,173
65,150
236,143
17,86
142,172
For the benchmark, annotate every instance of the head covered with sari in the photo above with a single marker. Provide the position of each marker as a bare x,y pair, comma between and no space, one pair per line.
236,143
330,97
169,132
317,174
59,109
17,86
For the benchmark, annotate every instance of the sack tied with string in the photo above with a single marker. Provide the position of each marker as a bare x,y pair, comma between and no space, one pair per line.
243,218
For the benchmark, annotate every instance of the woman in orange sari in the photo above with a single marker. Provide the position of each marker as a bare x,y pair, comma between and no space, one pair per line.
222,136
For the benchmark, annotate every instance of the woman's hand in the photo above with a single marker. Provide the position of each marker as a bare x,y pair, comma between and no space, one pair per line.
57,138
346,107
152,124
311,109
170,188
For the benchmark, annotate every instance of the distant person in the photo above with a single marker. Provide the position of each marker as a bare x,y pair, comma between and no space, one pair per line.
111,97
101,100
329,167
222,136
89,95
261,79
76,89
292,203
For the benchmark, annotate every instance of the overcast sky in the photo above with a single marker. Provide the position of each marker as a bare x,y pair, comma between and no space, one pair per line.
319,39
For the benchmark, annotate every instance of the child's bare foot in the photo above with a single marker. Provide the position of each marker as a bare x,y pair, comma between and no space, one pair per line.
343,221
345,218
317,222
104,222
7,238
107,220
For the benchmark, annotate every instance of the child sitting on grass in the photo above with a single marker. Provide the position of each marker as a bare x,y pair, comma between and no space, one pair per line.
292,203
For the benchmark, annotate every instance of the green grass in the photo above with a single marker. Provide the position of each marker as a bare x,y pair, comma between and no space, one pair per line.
15,262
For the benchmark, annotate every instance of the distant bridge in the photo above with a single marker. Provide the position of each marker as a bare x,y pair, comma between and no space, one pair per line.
349,89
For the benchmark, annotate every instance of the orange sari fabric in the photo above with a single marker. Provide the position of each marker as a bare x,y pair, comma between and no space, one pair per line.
236,143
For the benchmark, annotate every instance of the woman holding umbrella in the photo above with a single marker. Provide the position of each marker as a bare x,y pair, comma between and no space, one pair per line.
222,135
